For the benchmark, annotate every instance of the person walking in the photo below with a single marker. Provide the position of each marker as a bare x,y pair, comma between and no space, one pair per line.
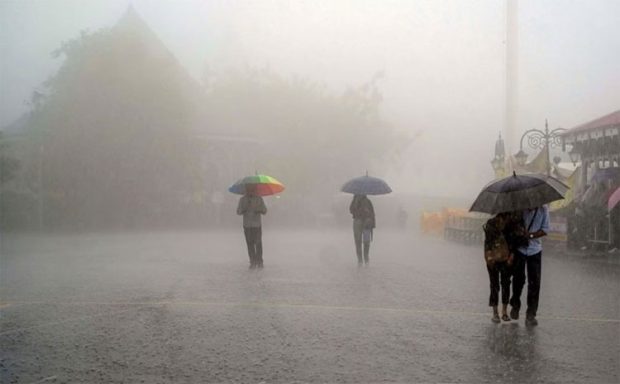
363,224
252,206
499,257
527,257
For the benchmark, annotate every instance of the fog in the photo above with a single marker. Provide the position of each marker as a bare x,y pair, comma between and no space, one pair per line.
441,65
127,255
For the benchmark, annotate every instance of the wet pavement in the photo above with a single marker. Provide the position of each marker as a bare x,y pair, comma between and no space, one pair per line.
184,308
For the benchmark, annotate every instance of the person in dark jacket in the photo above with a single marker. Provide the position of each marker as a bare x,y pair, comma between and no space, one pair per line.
252,206
498,234
363,224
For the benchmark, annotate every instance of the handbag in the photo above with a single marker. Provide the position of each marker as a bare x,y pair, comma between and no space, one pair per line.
367,235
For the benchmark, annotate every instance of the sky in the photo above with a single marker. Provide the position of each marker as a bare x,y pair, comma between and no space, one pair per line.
444,62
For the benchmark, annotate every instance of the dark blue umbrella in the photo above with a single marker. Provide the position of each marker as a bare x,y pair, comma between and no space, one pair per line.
366,185
518,192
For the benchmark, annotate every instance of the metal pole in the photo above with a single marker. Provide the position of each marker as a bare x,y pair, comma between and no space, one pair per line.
547,138
512,72
40,181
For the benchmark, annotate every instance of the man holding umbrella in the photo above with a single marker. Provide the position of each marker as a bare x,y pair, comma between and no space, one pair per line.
363,223
528,257
363,212
252,206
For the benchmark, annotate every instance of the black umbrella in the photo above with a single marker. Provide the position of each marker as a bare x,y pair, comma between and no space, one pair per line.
518,192
366,185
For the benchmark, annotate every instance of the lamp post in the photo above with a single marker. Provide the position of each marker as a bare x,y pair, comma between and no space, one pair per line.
521,157
537,139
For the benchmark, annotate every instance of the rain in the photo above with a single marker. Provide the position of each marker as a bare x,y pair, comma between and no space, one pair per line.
309,191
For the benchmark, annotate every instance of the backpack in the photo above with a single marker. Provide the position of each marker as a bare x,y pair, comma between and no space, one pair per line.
496,248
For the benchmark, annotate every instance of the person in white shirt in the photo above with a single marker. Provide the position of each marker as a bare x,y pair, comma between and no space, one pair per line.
528,257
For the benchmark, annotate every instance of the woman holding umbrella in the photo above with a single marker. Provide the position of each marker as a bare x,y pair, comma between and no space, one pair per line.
252,207
363,212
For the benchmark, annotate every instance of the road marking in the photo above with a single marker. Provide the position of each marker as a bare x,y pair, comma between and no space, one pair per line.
69,320
301,306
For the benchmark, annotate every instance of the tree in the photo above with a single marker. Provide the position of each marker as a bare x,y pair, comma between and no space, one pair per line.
315,139
8,165
111,143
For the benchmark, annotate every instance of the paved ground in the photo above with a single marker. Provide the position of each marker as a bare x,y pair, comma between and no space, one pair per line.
183,307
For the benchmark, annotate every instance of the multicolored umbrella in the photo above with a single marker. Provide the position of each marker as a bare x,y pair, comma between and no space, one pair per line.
263,185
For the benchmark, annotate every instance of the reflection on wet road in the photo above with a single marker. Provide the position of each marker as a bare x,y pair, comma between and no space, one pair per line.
183,307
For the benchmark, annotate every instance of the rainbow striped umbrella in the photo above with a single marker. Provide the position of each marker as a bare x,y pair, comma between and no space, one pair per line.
264,185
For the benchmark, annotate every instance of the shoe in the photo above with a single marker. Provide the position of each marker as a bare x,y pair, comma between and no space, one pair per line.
505,317
531,321
495,318
514,313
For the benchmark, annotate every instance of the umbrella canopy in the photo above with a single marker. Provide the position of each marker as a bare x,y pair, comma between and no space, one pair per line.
366,185
263,185
518,192
614,199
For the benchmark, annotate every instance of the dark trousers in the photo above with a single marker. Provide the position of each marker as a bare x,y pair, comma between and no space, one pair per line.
253,238
533,266
358,228
497,271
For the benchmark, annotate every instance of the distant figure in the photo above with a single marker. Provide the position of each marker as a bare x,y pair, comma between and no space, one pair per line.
363,224
252,206
528,257
402,217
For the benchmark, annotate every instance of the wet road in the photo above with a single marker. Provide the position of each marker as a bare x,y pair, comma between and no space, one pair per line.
184,308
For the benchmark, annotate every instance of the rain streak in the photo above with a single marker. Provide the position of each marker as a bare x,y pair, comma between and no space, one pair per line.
306,191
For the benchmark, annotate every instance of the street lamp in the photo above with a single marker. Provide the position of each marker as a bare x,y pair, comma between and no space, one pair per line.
574,154
521,157
537,139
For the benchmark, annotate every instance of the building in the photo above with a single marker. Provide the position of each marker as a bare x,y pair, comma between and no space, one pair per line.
596,145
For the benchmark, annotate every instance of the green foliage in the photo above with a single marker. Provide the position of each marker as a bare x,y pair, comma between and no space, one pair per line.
8,165
112,139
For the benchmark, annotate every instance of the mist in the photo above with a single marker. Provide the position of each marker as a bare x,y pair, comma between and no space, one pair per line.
133,248
442,64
